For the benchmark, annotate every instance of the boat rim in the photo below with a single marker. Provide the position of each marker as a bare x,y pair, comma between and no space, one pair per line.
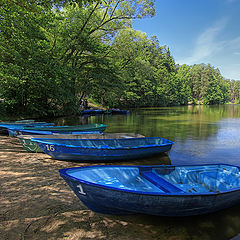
169,143
97,125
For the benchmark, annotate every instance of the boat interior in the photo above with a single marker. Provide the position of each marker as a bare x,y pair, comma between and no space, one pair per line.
86,136
107,143
164,179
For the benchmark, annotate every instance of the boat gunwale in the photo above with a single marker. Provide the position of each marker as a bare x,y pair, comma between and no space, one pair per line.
63,172
80,133
169,143
67,128
16,126
41,133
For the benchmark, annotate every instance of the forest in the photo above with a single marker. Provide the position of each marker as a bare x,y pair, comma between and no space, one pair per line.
54,54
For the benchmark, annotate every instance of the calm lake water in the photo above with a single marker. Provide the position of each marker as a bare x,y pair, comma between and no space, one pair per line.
202,134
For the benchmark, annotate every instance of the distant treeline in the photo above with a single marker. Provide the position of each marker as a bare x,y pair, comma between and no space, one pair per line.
53,54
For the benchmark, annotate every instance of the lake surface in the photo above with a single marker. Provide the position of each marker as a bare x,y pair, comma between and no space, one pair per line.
202,134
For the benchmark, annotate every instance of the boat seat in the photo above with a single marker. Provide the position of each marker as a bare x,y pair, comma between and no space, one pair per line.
159,182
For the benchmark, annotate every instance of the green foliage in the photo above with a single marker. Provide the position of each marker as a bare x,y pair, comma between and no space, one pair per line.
55,53
207,84
31,78
51,57
234,90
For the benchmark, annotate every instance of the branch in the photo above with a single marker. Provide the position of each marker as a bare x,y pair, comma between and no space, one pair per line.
72,50
84,25
114,9
109,20
106,11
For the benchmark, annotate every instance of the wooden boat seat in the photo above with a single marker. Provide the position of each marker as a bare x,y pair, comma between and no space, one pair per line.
159,182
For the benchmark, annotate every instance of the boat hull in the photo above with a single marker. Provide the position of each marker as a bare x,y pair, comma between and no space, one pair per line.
92,111
100,200
127,191
30,146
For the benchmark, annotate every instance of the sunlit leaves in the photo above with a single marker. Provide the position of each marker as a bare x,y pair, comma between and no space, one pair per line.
56,52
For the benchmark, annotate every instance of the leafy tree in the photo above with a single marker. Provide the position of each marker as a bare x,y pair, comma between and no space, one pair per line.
207,84
25,61
55,53
182,84
90,31
51,56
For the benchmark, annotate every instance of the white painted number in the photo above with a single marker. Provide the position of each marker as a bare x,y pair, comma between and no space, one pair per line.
50,148
81,189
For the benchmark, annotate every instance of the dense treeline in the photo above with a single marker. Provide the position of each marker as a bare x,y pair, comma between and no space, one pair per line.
55,53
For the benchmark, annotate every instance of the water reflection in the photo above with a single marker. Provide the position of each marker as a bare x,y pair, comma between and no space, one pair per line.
202,134
220,225
160,159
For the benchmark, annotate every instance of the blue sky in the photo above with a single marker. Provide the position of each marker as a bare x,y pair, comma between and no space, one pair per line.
198,31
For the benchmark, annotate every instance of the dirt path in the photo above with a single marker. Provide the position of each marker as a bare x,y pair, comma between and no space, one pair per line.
37,204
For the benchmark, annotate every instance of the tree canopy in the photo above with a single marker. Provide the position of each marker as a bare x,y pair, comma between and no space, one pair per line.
55,53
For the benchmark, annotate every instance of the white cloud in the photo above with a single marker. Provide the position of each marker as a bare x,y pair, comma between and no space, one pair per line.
206,43
222,54
234,43
231,1
231,71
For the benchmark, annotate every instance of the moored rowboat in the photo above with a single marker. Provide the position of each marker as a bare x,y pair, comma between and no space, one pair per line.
103,149
156,190
69,129
10,128
92,111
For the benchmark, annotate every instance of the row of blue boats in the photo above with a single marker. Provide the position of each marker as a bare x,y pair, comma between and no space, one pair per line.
164,190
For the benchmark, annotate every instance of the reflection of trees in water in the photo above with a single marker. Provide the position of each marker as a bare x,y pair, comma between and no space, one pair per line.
169,122
72,120
172,124
222,225
197,122
190,126
160,159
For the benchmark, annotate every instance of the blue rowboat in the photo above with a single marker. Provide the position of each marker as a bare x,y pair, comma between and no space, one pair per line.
41,133
11,128
103,149
14,129
49,130
70,129
31,146
155,190
92,111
